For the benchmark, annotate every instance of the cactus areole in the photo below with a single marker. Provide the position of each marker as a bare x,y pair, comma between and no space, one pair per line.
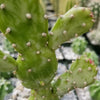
25,25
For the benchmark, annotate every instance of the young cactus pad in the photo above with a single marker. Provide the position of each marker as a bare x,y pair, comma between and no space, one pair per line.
25,25
81,74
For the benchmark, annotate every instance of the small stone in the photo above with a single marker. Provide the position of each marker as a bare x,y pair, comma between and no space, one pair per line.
28,16
2,6
44,34
28,44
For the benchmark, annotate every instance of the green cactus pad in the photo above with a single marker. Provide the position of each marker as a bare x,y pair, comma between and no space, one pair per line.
74,23
82,73
7,63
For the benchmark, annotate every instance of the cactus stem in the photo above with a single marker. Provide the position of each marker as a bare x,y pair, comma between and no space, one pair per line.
89,68
38,52
28,16
44,34
64,32
2,6
14,45
28,44
8,30
5,57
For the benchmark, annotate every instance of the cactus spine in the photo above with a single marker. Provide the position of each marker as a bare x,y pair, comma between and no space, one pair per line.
25,24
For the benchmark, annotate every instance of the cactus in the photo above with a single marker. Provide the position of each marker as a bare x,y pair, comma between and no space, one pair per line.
26,26
95,7
79,45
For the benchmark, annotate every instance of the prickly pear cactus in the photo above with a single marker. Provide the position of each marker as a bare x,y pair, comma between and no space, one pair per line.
95,7
25,24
